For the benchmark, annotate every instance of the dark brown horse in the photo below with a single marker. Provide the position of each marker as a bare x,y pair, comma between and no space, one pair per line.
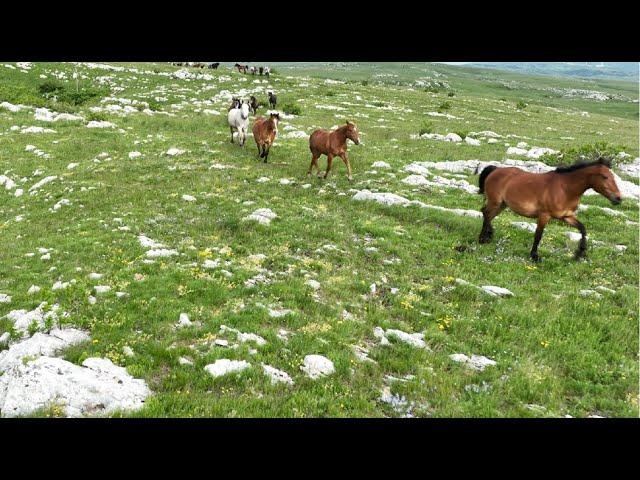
241,68
253,104
332,144
264,133
273,100
544,196
235,103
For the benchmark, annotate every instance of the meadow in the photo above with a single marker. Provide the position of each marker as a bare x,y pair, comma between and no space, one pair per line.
137,190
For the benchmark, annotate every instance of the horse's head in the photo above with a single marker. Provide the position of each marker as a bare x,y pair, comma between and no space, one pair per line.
352,132
244,110
275,117
603,181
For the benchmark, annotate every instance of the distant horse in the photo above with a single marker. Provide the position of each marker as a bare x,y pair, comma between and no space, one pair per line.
238,119
252,70
273,100
253,104
261,70
241,68
235,103
332,144
267,71
213,66
544,196
264,133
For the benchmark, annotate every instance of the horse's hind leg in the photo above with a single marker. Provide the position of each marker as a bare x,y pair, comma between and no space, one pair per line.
314,161
231,128
489,212
542,222
582,247
329,164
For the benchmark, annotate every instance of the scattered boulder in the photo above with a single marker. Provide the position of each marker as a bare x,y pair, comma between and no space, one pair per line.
316,366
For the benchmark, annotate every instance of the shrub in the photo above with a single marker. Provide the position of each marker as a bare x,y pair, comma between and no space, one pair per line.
521,105
431,89
291,109
364,83
444,106
426,127
451,94
77,98
153,105
590,152
463,133
379,104
67,94
49,88
96,116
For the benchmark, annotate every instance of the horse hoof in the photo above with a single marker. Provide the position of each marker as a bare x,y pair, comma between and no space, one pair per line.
350,179
535,258
484,239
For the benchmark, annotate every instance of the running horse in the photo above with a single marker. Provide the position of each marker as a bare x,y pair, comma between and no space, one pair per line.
264,133
332,144
555,194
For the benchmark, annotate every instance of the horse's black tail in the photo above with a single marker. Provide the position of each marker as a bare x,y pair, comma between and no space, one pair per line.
483,176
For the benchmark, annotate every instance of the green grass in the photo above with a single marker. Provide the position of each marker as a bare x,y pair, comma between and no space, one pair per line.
569,354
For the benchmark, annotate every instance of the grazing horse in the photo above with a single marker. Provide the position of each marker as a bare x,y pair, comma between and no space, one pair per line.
241,68
264,133
273,100
238,119
253,104
331,144
267,71
544,196
213,66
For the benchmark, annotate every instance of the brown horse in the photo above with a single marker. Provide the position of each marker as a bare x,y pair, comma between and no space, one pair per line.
264,133
332,144
544,196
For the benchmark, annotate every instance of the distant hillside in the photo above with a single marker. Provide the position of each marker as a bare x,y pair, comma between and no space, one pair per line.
620,70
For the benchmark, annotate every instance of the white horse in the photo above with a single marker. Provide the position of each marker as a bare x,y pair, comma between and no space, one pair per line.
267,71
238,119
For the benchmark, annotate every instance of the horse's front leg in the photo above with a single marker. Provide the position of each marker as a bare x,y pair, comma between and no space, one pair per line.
329,162
345,159
489,212
542,222
582,247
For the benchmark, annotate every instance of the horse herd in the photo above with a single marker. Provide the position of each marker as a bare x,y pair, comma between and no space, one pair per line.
252,70
321,142
212,66
544,196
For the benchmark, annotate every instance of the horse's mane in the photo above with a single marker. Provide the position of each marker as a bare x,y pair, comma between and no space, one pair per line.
580,165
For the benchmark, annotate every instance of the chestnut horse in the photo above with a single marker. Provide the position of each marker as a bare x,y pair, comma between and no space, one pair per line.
544,196
264,133
332,144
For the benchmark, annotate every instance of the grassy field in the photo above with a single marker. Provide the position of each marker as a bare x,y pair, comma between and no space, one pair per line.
557,353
